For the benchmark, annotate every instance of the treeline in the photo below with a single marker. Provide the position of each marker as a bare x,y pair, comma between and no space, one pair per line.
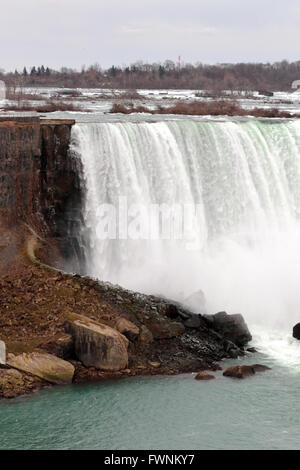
35,72
277,76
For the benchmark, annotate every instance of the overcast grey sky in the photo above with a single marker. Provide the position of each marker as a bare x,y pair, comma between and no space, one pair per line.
77,32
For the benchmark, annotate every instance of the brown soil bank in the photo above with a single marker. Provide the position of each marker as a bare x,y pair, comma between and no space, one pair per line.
123,333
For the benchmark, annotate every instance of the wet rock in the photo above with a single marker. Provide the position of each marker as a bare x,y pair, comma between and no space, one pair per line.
202,347
193,322
184,315
240,372
232,327
204,376
163,329
252,350
2,352
171,311
260,367
217,336
127,328
296,331
145,335
43,365
232,350
98,345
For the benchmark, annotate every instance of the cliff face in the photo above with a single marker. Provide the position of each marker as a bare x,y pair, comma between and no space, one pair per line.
19,157
59,191
39,182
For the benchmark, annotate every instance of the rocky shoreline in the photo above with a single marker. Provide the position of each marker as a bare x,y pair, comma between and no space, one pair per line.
101,331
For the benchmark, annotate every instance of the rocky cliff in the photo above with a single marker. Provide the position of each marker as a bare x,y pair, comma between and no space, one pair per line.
39,182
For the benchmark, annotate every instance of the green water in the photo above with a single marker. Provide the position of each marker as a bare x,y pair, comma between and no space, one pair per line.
179,412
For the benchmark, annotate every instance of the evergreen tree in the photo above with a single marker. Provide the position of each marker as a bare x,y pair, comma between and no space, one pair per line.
161,71
112,71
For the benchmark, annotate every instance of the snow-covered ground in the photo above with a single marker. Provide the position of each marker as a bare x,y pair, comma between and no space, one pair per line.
101,100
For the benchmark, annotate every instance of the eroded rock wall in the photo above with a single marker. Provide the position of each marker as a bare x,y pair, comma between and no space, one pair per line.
60,193
19,164
39,179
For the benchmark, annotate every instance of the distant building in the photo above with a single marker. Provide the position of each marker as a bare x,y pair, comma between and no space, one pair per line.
2,90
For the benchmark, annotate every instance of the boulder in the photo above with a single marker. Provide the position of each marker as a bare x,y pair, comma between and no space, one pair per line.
240,372
232,327
164,329
2,353
296,331
43,365
61,346
260,367
193,322
127,328
171,311
97,345
202,375
252,350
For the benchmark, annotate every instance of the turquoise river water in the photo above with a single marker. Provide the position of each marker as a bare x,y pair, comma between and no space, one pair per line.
178,412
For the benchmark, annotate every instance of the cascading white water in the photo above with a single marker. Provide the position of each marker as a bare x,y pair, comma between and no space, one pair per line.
244,177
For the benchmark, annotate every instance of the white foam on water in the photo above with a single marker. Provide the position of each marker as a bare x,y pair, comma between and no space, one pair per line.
279,345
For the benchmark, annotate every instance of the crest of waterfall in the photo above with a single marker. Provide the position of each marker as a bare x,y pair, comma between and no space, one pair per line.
244,178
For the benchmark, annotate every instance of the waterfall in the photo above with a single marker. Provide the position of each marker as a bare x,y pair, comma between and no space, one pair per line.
244,179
